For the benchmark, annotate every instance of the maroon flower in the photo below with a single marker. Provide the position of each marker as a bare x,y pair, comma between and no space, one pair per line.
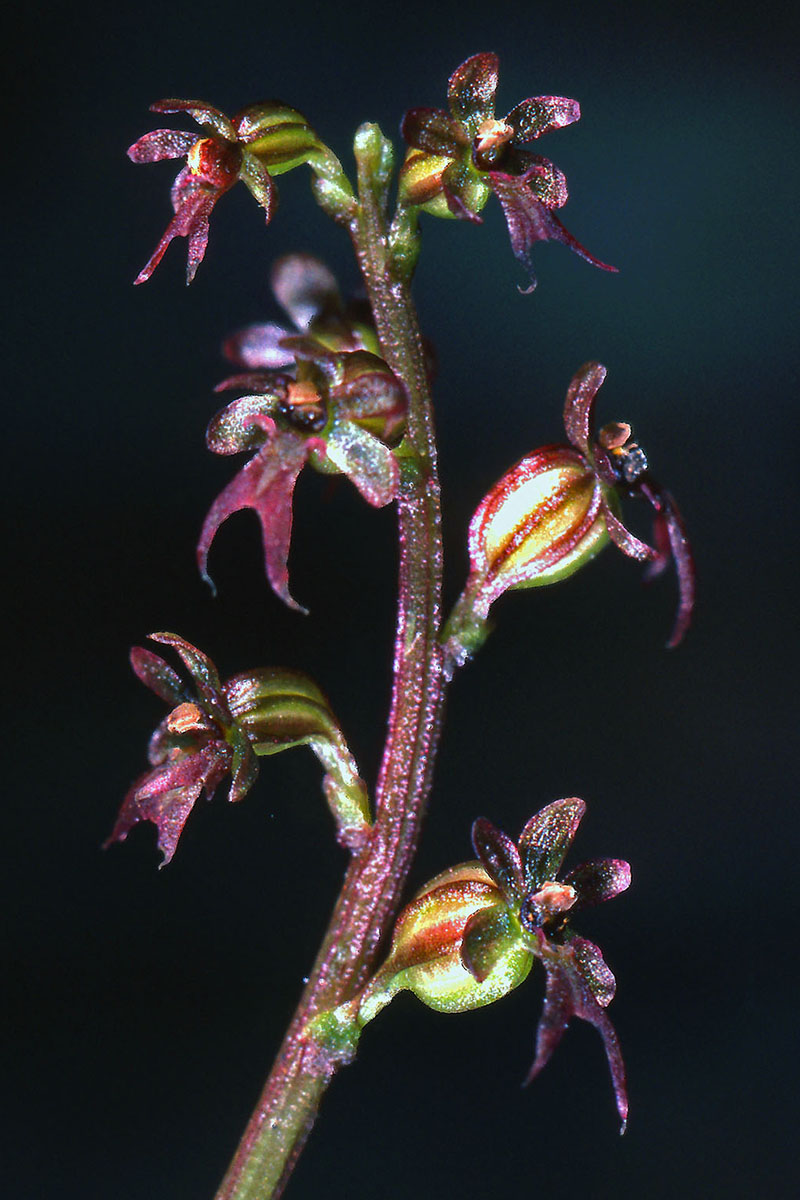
458,158
261,141
192,750
579,983
340,412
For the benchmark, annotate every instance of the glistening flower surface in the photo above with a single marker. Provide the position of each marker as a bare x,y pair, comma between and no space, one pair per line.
472,934
339,412
458,158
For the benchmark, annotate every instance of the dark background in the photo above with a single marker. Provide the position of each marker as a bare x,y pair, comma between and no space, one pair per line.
146,1005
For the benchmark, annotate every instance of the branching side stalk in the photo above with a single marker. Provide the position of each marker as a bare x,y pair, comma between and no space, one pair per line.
375,878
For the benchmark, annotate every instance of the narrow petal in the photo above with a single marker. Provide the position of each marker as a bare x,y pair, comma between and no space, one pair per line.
545,840
542,114
434,131
366,460
266,485
204,114
161,144
553,1022
485,940
579,406
258,346
198,664
672,542
190,221
622,537
244,769
304,288
471,91
258,181
530,221
501,859
598,881
157,675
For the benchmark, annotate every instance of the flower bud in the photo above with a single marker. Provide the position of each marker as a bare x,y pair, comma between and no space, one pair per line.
278,135
426,954
421,182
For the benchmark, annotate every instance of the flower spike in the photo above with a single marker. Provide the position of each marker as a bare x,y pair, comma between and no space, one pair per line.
458,158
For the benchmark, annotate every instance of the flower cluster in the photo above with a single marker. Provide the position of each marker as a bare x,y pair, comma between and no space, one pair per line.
216,729
459,158
472,934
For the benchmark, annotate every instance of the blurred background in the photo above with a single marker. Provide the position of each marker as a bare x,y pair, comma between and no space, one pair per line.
146,1005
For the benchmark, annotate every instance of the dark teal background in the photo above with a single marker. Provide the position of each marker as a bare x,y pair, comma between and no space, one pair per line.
145,1006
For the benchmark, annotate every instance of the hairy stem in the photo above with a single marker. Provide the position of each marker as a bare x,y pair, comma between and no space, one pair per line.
374,880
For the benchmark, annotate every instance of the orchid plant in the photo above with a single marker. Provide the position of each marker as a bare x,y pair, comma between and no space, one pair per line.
346,389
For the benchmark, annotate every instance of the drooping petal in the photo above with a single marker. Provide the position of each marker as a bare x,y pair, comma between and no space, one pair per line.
569,994
161,144
530,221
265,484
304,288
501,859
244,768
206,115
542,114
167,795
485,941
546,838
258,346
258,182
545,180
471,91
579,406
367,461
193,203
622,537
434,131
598,881
157,675
673,543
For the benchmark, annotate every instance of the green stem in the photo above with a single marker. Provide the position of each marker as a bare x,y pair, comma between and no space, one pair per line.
375,878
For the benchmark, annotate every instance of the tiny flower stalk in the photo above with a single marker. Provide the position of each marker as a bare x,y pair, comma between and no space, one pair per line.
555,511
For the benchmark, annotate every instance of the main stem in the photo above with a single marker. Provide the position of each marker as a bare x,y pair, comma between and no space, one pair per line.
372,886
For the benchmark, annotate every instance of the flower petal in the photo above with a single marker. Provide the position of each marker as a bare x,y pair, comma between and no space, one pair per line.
594,970
579,406
304,288
434,131
204,114
265,484
501,859
193,203
485,940
542,114
199,666
569,994
671,533
157,675
244,424
366,460
167,795
471,91
600,880
545,840
161,144
258,182
530,221
258,346
622,537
